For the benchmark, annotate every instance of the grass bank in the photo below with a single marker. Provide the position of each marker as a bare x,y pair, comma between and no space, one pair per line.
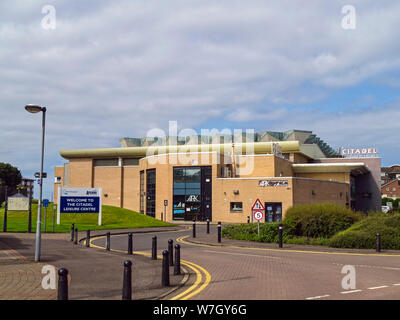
112,218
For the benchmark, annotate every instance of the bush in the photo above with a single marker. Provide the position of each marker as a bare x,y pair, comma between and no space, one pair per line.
362,235
249,231
321,220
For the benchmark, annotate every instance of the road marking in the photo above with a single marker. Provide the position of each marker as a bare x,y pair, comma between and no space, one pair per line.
187,294
351,291
203,286
374,288
396,284
182,240
241,254
318,297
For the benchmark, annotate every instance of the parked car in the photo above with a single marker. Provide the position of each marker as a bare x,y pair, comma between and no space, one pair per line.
386,209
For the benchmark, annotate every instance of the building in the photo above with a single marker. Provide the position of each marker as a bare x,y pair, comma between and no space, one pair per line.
389,174
26,186
221,181
391,189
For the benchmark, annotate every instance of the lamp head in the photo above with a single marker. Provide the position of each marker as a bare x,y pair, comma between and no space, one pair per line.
34,108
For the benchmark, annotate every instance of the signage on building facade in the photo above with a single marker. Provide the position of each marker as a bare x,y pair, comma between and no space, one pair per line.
79,200
193,198
359,152
273,183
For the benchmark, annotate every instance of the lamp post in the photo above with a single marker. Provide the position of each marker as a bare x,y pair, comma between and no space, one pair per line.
32,108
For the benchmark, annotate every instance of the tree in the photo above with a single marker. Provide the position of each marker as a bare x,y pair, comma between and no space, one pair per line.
9,176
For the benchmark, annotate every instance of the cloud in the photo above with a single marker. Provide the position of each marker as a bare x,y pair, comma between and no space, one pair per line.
121,68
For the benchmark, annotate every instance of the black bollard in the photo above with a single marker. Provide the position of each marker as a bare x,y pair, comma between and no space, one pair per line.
194,229
76,236
171,252
108,240
130,243
154,248
88,238
208,226
127,282
62,284
378,242
165,269
177,265
280,235
219,232
72,231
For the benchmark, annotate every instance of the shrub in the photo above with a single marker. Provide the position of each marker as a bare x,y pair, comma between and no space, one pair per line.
321,220
362,235
249,231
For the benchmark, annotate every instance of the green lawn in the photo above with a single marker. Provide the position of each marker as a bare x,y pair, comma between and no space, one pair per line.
112,218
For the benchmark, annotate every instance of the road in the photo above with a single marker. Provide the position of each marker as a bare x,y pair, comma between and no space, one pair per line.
230,272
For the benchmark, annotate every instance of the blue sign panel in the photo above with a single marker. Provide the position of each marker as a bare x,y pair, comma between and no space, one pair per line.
45,203
79,204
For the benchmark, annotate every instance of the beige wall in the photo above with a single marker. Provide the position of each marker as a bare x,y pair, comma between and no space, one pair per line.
131,188
249,192
324,191
81,173
110,180
335,176
58,172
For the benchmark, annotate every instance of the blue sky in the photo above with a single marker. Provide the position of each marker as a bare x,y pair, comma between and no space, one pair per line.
112,69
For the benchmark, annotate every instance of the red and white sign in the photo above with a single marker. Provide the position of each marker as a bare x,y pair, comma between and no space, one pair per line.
258,210
257,206
258,215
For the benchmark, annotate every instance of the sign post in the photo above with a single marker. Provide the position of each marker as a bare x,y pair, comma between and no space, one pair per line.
45,206
79,200
258,212
165,209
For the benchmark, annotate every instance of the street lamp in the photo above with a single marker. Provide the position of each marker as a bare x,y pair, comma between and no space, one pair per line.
32,108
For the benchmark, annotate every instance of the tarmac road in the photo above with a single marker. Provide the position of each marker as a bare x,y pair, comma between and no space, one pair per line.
248,271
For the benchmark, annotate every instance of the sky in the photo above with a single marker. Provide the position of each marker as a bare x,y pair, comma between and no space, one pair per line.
111,69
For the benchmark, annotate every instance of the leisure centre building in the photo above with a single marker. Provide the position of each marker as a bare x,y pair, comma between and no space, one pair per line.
220,180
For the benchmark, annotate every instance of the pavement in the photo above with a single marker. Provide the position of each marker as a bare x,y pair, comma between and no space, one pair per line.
93,273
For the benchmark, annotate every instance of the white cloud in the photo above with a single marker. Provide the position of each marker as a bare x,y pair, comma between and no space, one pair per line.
120,68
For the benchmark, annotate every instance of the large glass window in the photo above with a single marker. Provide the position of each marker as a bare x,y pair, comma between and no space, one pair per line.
187,193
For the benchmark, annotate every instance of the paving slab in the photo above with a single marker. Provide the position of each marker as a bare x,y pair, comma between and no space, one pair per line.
93,273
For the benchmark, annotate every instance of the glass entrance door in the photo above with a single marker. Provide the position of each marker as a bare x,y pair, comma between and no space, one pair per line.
192,193
273,211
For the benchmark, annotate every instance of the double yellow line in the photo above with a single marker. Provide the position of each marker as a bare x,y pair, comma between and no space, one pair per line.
198,286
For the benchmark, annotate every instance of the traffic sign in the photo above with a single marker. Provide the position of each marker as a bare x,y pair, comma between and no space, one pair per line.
37,175
257,206
258,215
45,203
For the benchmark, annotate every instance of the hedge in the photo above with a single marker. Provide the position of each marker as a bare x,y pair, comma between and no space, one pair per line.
321,220
362,235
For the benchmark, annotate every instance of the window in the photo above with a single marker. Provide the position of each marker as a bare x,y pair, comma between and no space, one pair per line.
236,206
130,162
186,193
387,189
394,189
105,163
